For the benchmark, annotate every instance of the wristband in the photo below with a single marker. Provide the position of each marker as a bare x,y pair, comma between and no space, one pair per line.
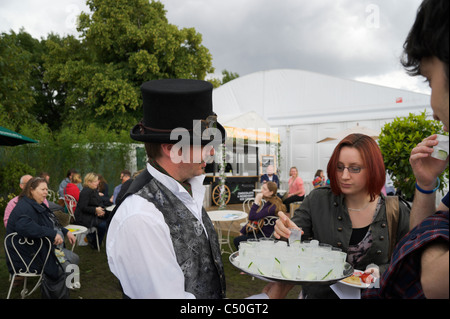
429,192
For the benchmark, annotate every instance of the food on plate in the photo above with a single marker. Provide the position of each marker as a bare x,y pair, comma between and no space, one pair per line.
359,278
353,280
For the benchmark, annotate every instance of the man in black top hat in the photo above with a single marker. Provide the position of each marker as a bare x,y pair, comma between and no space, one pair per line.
161,243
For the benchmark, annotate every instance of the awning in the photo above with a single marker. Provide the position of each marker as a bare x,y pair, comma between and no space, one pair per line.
11,138
264,136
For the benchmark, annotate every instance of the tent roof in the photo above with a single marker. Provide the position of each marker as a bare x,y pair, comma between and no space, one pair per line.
250,126
289,97
249,120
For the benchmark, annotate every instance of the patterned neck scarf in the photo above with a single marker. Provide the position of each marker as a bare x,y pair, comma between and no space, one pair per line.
159,168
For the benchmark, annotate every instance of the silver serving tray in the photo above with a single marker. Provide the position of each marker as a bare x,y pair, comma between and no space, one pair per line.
348,271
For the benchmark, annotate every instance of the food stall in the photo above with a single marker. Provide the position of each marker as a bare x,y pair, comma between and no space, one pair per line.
247,154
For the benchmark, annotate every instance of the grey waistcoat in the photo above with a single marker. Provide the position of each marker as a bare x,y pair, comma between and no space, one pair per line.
197,254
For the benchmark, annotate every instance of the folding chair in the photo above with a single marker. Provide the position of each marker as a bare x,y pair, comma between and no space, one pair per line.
33,268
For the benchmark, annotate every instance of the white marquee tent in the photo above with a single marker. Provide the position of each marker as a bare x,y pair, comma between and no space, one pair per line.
306,107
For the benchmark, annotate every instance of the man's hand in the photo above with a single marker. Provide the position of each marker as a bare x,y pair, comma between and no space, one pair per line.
277,290
426,168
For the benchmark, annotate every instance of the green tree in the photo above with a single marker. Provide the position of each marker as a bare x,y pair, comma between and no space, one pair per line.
397,139
228,76
122,44
16,92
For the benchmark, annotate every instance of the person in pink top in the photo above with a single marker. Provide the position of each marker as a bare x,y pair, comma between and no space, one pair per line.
12,203
296,191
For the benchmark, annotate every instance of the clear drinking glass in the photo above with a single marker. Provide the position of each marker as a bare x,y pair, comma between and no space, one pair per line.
296,236
265,262
441,150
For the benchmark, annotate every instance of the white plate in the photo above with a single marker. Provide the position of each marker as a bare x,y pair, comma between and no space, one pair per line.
363,284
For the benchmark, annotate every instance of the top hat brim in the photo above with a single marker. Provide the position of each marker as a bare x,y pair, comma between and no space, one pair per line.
137,133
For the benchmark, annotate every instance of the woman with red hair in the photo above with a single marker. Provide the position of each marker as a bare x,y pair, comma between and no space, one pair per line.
350,213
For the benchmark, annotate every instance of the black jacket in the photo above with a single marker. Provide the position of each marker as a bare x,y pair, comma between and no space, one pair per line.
85,212
31,220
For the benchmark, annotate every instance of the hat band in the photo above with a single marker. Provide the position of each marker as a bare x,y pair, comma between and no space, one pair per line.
143,128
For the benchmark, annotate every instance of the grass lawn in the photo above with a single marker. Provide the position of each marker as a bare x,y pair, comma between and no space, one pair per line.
97,282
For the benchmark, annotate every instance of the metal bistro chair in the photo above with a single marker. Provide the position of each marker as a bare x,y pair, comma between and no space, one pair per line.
26,269
51,196
70,203
267,221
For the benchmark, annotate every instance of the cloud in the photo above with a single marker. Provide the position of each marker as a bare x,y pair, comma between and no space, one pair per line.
344,38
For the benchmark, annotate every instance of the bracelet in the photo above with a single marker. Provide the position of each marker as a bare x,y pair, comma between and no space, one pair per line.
429,192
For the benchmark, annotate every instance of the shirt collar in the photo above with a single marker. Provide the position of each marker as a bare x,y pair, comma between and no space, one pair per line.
196,183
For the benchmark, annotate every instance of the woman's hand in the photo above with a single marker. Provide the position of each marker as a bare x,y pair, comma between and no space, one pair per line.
58,240
258,198
71,237
282,226
99,211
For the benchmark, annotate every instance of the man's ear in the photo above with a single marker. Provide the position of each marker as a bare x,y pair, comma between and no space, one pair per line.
166,149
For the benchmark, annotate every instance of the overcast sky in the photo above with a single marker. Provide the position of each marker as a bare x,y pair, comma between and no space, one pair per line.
351,39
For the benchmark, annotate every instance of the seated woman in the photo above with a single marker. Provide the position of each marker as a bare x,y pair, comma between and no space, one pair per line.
258,212
296,191
72,187
319,179
33,219
90,211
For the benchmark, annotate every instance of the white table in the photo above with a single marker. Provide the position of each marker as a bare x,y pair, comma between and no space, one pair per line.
279,191
218,216
76,230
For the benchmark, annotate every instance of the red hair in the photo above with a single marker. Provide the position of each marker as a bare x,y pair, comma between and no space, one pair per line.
372,161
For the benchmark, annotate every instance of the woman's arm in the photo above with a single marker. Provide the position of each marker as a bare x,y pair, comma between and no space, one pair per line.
267,210
27,226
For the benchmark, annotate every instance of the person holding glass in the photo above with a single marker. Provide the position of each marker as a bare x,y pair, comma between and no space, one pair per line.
350,213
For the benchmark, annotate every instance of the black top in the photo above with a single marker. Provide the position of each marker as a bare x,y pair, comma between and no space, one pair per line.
358,234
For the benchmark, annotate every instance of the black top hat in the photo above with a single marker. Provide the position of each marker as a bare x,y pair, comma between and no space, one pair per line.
175,109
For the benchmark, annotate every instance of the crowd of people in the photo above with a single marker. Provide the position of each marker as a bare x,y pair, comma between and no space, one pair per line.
32,214
161,243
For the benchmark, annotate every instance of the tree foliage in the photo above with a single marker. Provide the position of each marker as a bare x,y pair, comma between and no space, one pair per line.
96,77
85,89
397,139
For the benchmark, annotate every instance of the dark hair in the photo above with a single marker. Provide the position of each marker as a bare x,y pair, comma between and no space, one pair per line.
153,150
126,172
71,171
428,37
318,172
372,160
33,183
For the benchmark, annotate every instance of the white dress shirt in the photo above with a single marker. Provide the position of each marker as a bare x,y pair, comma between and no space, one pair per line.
139,247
